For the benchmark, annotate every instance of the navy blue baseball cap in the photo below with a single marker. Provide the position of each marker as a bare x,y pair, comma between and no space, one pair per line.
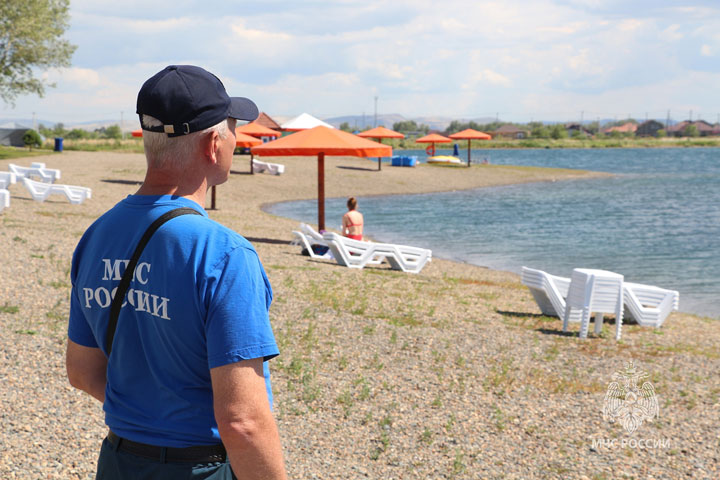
189,99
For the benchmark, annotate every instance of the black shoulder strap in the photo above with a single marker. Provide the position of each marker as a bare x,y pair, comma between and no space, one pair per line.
130,271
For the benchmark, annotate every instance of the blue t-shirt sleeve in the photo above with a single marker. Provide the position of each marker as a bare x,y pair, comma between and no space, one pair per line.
79,330
238,297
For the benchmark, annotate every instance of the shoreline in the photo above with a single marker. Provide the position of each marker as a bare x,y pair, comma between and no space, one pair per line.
450,373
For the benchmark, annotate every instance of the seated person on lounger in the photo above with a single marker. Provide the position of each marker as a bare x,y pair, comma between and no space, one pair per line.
352,221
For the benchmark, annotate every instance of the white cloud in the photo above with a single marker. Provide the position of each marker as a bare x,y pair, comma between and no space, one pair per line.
80,78
260,37
487,77
538,58
673,32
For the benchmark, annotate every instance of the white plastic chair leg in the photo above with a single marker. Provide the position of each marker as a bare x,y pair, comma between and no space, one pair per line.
598,323
585,322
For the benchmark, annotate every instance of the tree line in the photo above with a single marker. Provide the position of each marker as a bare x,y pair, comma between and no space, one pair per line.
534,129
113,132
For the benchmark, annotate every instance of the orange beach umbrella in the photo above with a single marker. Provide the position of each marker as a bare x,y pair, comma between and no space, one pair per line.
433,138
322,141
254,129
380,133
470,134
136,133
242,140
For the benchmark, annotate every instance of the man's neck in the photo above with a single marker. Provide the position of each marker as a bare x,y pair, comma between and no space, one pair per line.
167,183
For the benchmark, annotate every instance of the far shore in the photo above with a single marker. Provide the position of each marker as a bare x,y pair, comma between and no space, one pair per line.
451,373
134,145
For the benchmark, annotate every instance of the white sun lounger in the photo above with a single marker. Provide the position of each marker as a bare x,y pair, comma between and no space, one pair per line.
35,170
306,237
649,306
4,199
357,254
272,168
7,179
549,291
41,191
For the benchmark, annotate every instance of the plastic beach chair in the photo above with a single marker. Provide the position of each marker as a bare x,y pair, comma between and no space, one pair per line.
357,254
649,306
40,191
7,179
596,291
306,237
549,291
4,199
272,168
35,170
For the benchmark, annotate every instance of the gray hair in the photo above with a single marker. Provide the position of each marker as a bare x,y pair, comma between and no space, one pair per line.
168,152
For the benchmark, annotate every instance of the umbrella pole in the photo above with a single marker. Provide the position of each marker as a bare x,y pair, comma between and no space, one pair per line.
469,152
251,162
212,197
379,158
321,192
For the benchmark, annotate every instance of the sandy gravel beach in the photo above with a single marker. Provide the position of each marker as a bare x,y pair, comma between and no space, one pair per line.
452,373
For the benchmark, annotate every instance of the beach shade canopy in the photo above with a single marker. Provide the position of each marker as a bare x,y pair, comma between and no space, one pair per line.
136,133
433,138
304,121
254,129
469,135
243,140
321,141
380,133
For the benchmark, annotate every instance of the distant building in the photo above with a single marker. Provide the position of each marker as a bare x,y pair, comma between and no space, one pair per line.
628,127
649,128
703,127
12,137
572,128
509,131
265,120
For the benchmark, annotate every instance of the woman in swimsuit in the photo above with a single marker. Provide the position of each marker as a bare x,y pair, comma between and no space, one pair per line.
352,221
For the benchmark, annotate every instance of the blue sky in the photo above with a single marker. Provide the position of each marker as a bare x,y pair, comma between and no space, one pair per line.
553,60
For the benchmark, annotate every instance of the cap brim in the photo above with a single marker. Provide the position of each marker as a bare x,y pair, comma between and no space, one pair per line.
243,108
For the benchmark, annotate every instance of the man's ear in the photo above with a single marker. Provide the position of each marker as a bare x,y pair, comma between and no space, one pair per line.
210,146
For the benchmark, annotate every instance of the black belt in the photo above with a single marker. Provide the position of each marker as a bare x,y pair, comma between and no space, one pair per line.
199,454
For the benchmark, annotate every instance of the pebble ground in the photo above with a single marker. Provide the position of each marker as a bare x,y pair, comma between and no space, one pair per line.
452,373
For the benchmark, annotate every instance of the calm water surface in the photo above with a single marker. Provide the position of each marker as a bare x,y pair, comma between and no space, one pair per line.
657,221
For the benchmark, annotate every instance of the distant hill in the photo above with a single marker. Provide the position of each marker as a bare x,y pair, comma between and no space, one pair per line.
364,122
16,123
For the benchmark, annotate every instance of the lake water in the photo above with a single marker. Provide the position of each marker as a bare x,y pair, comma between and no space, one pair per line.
657,221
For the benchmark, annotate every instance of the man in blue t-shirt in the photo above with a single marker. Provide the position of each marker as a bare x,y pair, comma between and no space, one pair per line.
184,381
